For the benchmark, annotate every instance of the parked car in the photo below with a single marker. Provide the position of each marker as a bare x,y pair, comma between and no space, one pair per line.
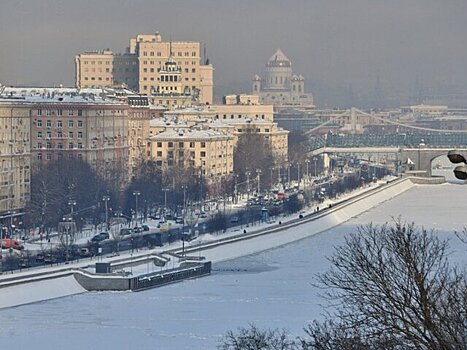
39,257
234,219
145,227
126,231
50,259
85,252
100,237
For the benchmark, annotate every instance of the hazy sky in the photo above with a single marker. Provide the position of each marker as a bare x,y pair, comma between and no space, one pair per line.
335,44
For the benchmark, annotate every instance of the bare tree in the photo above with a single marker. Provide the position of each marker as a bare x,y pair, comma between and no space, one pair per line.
396,279
253,338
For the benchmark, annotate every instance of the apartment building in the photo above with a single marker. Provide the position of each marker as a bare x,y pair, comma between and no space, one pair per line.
143,64
80,127
139,116
208,150
15,172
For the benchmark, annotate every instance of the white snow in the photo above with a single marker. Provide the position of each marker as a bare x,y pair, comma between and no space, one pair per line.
273,288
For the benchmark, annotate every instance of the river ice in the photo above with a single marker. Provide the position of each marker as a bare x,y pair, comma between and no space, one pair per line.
271,289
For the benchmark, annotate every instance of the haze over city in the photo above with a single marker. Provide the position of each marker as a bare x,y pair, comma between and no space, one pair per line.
341,47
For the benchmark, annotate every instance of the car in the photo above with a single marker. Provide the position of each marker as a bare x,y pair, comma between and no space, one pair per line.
126,231
234,219
138,229
39,257
98,238
179,220
85,252
145,227
50,259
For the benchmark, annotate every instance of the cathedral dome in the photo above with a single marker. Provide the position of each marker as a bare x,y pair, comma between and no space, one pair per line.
279,59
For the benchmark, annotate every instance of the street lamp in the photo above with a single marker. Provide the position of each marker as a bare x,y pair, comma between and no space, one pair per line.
235,188
106,199
165,198
307,162
315,172
136,194
298,175
248,184
258,175
288,174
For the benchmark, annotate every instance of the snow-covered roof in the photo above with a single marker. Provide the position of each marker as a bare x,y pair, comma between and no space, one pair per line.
184,133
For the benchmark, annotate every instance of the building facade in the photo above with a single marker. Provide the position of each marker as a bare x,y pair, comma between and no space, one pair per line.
207,150
141,67
15,155
280,85
77,127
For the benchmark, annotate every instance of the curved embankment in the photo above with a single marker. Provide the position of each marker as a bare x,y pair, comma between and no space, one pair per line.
231,248
31,287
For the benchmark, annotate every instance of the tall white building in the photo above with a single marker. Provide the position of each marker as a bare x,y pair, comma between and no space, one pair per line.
280,85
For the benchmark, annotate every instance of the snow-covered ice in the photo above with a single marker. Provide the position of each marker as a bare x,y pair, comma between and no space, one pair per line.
273,288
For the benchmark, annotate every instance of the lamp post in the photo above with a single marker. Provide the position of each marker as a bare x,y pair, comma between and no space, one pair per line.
298,175
288,174
235,188
247,184
258,175
315,173
307,162
165,198
106,198
136,194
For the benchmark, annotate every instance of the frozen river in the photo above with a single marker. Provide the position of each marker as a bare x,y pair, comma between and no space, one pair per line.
273,288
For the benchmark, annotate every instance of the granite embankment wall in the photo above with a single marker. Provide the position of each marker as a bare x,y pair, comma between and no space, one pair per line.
29,287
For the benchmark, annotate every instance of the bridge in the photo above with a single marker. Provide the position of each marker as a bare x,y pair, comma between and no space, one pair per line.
421,157
418,149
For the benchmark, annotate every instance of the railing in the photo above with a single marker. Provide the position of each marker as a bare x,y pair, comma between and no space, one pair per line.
163,278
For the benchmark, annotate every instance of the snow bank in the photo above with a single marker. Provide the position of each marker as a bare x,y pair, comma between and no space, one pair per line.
22,293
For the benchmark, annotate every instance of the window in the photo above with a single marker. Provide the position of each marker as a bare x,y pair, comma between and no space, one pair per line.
49,145
39,134
171,144
80,123
159,153
80,156
80,145
39,123
49,112
39,112
159,144
59,134
193,70
80,134
203,144
48,123
80,112
71,123
59,124
70,145
49,134
170,154
60,145
48,156
192,144
70,155
203,154
39,145
71,134
39,156
60,112
180,144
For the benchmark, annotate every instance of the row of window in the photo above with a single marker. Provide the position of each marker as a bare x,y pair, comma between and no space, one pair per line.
179,54
59,123
152,63
48,156
98,78
70,112
48,145
181,144
71,134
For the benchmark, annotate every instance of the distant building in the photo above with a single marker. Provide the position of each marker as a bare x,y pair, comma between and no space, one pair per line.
280,85
207,151
144,66
15,161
